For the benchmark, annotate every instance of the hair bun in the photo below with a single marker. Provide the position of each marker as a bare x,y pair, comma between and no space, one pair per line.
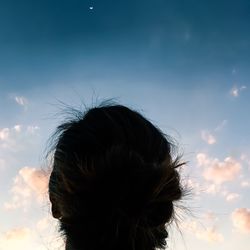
141,192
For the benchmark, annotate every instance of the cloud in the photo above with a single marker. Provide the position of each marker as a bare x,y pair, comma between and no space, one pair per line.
232,197
194,186
32,129
22,101
221,125
224,171
212,189
17,128
245,158
202,159
235,91
208,137
241,219
218,171
43,223
245,184
30,184
209,234
17,238
14,138
4,134
210,216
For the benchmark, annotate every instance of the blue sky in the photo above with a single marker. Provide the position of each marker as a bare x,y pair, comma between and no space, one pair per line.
183,64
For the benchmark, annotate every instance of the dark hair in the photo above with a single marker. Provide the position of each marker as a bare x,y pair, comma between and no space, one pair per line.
113,180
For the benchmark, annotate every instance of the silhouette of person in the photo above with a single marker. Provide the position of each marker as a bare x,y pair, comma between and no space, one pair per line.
114,181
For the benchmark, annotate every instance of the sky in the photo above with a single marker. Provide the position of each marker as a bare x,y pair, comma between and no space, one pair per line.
183,64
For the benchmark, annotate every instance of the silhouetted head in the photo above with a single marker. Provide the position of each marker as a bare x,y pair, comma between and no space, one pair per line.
113,183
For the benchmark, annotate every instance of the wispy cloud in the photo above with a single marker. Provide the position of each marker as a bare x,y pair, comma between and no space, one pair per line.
208,137
21,100
221,126
235,91
15,138
241,219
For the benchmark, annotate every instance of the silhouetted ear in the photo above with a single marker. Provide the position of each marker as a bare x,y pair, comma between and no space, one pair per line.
55,211
54,207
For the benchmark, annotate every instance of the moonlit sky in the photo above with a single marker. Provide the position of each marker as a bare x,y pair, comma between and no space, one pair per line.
184,64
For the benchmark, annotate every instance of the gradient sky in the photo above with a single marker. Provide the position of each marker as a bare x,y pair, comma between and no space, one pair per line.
184,64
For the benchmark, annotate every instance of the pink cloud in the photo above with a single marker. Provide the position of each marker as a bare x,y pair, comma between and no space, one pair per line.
212,189
224,171
245,184
219,171
241,219
232,197
36,179
202,159
30,183
209,234
4,134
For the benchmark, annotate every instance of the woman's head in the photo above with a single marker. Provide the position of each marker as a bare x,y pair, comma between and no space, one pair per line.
113,180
